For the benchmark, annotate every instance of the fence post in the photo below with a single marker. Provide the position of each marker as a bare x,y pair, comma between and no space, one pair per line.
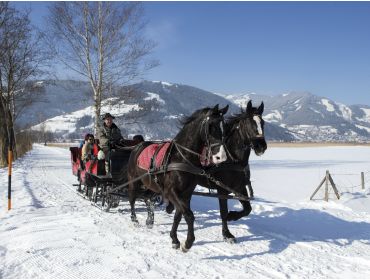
327,185
362,180
10,162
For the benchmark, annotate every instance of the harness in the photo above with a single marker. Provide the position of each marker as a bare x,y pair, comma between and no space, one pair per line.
188,166
250,139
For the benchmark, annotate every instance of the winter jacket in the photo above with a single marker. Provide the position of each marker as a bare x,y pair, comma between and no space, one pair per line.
87,151
109,135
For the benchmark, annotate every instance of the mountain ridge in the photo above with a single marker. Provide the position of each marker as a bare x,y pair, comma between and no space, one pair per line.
153,108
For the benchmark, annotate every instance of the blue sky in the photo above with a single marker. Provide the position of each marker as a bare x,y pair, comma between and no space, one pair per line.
262,47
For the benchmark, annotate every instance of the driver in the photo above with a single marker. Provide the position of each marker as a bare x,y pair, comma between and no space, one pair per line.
109,136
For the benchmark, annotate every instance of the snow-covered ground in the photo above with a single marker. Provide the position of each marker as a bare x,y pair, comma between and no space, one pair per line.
51,232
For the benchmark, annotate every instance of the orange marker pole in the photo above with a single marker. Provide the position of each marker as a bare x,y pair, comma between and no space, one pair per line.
10,159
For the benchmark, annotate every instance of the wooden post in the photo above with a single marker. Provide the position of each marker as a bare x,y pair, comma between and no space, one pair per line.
334,187
10,160
327,179
327,186
317,189
362,180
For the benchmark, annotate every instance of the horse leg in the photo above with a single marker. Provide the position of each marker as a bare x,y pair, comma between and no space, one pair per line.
250,190
176,221
228,237
150,208
236,215
189,218
132,199
170,207
247,208
248,180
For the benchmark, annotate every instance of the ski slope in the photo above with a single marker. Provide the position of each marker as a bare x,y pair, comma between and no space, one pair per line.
51,232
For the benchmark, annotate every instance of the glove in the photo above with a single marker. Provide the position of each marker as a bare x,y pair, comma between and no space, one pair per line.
101,155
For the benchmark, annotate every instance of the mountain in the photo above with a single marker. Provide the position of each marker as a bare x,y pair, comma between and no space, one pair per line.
149,108
313,118
155,108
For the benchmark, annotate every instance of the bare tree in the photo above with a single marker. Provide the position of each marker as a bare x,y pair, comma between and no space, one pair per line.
21,59
101,41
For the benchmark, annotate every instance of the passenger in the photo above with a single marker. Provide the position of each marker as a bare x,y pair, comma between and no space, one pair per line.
138,138
109,136
88,148
83,141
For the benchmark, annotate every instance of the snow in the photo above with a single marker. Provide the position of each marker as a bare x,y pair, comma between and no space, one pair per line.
163,83
363,127
155,96
366,118
274,116
67,122
346,111
240,100
51,232
326,103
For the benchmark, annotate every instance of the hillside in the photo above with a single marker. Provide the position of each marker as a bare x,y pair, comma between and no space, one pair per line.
149,108
155,108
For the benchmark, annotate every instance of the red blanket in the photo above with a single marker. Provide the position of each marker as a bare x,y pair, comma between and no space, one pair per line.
146,155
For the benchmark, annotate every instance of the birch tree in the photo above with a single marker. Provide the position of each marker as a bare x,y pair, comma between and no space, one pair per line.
103,42
21,59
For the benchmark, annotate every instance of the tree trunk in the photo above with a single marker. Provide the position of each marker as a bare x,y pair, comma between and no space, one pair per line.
97,113
4,139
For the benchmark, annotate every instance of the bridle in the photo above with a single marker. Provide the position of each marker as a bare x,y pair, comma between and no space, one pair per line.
204,126
247,138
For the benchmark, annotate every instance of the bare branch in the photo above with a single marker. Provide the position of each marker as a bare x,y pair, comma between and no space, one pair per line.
102,41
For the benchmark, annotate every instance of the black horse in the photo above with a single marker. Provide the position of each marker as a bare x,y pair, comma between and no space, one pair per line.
204,128
244,131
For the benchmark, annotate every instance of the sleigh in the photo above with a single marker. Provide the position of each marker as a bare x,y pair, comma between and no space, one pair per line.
104,190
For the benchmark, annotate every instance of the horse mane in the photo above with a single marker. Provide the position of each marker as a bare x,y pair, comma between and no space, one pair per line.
236,117
188,119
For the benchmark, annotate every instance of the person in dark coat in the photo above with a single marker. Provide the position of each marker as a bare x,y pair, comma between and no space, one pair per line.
109,136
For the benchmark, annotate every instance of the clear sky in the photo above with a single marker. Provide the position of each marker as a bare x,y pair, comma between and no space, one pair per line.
261,47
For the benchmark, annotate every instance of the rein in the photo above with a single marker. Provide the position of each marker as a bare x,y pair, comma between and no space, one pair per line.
189,166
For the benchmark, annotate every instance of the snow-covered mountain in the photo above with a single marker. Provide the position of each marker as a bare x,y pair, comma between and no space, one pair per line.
154,109
313,118
149,108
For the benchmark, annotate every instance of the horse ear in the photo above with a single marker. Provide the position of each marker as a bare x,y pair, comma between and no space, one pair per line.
223,111
249,107
260,108
212,111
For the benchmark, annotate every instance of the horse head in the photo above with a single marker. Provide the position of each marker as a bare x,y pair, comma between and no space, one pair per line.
208,126
214,133
251,127
245,131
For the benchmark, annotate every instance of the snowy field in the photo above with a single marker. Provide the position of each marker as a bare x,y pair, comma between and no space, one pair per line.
51,232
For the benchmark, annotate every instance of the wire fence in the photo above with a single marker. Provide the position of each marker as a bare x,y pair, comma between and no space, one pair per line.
351,182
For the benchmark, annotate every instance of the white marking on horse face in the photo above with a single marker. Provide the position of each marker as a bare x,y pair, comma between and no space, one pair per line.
222,127
258,122
220,156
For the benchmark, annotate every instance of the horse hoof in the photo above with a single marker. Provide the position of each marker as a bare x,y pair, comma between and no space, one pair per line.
170,208
149,226
230,240
175,245
184,249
